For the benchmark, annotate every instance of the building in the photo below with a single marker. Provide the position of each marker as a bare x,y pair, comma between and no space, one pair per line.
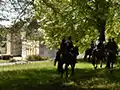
17,45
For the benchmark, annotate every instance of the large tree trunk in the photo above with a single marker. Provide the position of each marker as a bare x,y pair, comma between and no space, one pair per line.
102,31
101,28
101,20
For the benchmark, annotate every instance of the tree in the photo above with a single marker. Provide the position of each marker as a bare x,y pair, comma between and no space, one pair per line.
20,14
85,20
13,10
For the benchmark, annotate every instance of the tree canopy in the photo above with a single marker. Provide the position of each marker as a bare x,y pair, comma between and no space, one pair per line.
84,20
18,14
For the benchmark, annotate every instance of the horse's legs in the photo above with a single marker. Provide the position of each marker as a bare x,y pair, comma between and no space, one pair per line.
94,61
85,57
59,67
72,67
95,66
61,70
108,64
112,65
89,57
66,69
100,64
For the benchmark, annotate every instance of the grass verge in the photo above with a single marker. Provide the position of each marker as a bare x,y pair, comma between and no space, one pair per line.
43,76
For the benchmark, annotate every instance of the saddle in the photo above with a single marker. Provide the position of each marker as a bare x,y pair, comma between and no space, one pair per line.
71,53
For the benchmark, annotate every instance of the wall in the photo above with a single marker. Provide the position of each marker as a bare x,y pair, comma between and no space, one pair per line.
18,45
14,45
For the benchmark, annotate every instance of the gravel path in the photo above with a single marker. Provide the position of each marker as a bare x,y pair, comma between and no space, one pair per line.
20,62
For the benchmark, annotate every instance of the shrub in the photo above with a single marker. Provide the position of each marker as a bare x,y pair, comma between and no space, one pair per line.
34,58
13,60
45,58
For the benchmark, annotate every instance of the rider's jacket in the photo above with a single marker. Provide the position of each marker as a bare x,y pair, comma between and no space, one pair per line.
109,45
69,45
62,46
57,55
114,46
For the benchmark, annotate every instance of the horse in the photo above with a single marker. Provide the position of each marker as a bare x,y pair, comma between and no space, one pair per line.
88,53
98,55
69,58
111,58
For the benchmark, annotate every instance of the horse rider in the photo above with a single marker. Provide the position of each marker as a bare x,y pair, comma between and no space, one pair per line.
58,56
62,45
97,42
114,46
92,46
69,43
68,46
100,45
109,45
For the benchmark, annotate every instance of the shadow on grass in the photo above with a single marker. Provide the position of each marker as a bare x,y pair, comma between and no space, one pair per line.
49,79
90,61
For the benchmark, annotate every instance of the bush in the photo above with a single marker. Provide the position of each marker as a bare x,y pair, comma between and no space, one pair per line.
45,58
34,58
13,60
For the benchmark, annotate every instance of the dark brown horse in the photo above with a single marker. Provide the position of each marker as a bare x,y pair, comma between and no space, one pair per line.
88,53
98,56
111,59
69,58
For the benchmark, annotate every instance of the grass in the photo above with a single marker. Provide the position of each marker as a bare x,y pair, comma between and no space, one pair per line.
4,61
43,76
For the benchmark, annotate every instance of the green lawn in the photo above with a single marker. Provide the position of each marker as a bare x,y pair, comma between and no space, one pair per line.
4,61
43,76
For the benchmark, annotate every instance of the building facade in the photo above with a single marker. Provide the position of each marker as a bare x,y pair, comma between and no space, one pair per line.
18,45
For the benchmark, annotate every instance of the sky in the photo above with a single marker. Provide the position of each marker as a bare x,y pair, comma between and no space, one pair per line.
10,9
5,23
6,12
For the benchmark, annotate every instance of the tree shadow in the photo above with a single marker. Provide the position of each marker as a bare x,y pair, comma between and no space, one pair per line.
45,79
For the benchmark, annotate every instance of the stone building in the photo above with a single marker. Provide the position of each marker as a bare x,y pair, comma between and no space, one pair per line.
18,45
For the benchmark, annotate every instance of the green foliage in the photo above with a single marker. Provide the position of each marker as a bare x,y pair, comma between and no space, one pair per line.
36,58
83,19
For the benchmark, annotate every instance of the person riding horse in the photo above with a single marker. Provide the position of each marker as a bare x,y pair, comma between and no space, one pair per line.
58,56
65,47
68,47
89,50
114,46
98,54
112,51
69,44
69,54
62,45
